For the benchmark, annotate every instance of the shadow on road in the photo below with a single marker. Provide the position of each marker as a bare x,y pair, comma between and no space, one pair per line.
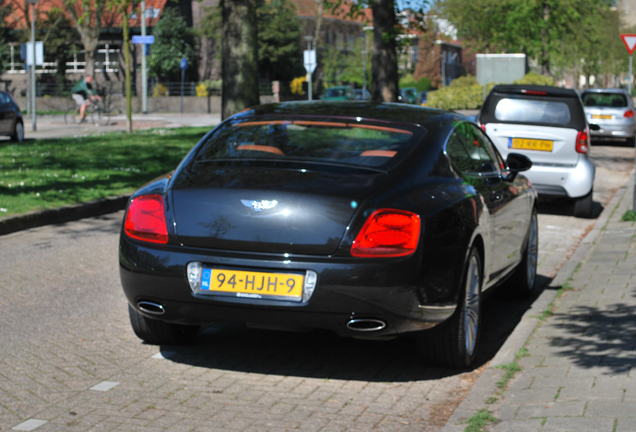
327,356
564,207
598,337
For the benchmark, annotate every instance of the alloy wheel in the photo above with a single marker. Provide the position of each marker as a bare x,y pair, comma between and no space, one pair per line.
472,305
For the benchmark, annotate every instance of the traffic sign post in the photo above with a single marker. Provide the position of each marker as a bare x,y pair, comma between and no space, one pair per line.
309,61
630,43
183,65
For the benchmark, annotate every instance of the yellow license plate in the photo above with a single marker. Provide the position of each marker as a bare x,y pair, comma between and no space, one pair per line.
253,284
531,144
602,116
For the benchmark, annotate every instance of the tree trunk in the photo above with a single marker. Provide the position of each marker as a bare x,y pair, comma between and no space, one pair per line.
240,59
384,81
545,49
89,42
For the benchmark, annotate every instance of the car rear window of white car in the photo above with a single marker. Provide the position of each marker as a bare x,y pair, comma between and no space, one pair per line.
330,141
605,100
537,111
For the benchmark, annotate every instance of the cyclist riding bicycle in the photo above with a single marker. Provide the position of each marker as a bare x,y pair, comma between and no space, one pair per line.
83,94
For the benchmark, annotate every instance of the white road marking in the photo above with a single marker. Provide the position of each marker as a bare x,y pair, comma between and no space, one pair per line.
105,385
29,425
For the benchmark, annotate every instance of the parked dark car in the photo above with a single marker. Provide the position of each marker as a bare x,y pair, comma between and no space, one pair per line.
361,95
340,93
370,220
11,123
408,95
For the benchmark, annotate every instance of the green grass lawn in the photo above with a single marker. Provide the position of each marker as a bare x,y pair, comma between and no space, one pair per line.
50,173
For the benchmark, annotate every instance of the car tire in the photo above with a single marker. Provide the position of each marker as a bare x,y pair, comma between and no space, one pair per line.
157,332
454,343
18,132
523,281
583,207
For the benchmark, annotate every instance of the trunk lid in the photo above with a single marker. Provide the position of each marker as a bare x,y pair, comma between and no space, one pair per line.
265,209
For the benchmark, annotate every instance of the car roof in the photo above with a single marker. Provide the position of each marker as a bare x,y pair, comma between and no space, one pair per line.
384,112
548,90
605,90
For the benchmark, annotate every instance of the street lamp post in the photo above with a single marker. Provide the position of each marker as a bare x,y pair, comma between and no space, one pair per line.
32,105
144,72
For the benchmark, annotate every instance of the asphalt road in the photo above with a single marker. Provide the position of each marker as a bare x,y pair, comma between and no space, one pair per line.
69,361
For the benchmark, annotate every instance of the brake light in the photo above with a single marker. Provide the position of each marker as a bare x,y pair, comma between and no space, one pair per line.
146,219
629,113
534,92
483,127
387,233
582,142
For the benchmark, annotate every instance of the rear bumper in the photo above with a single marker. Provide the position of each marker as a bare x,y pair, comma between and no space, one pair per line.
572,181
614,132
345,290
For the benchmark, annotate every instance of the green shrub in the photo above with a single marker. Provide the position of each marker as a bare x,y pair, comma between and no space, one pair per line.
535,78
422,84
464,81
456,97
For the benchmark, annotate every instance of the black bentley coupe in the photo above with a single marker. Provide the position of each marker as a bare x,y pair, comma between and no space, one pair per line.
370,220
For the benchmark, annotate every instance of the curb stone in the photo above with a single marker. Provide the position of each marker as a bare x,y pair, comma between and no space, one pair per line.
62,214
486,384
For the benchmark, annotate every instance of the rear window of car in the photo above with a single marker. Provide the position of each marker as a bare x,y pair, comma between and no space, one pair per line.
532,111
605,100
340,142
554,111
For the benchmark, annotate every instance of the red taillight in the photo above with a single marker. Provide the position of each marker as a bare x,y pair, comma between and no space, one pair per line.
582,142
387,233
629,113
146,219
483,127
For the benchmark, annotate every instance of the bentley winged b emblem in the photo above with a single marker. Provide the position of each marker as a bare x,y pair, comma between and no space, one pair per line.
259,205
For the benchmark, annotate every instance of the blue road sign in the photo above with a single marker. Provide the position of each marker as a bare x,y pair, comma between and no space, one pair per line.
146,40
184,63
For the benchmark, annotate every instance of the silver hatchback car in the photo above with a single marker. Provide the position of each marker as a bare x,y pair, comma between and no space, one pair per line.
613,111
546,124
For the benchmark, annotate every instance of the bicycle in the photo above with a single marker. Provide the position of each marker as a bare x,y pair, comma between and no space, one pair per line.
93,113
98,112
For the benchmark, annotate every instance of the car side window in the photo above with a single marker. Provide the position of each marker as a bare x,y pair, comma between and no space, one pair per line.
490,148
469,151
4,99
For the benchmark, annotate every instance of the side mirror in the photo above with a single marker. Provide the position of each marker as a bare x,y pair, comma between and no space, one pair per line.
516,163
594,127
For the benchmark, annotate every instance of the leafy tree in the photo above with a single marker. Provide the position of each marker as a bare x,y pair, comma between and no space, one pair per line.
343,67
545,30
59,38
4,37
173,41
122,8
240,59
278,35
384,61
88,17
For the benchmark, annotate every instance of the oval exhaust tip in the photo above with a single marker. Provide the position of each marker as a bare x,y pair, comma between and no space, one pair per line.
151,307
366,324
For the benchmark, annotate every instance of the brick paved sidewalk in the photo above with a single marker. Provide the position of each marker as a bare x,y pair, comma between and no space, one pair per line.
578,368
